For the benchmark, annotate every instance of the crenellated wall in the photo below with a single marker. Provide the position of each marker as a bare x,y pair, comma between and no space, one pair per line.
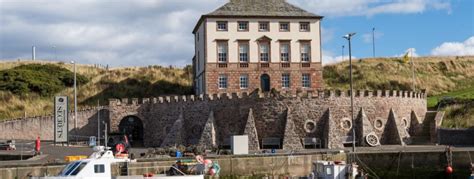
208,120
43,126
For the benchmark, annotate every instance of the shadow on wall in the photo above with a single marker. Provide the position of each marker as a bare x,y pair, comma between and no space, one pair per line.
87,126
133,88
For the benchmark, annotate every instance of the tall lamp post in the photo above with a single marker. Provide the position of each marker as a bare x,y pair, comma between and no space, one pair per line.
348,37
75,96
373,42
342,57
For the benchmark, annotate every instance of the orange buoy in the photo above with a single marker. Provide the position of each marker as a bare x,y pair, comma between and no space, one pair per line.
449,170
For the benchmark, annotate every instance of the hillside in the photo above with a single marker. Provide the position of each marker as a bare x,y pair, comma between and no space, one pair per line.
436,75
102,84
439,76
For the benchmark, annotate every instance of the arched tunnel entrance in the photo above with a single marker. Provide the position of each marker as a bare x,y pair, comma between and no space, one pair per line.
132,126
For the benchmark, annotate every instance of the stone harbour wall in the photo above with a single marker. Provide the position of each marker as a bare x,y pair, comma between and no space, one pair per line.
43,126
456,136
210,120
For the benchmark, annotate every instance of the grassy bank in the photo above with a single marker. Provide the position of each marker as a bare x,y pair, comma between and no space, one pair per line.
438,76
102,84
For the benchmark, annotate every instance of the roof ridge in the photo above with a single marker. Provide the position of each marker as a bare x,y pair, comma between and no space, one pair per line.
261,8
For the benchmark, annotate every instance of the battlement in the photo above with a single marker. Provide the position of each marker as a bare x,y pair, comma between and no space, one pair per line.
244,95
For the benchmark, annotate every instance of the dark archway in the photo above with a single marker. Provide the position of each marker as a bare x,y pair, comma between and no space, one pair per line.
132,126
265,83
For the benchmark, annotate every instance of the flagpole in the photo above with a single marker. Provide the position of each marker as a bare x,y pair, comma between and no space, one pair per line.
412,68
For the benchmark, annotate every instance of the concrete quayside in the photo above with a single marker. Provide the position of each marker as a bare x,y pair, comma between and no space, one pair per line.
381,162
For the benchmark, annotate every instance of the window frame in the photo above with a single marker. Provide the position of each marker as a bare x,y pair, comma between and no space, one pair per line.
285,82
240,43
282,43
243,85
283,30
222,30
226,45
224,83
243,30
306,81
99,167
267,43
302,44
308,25
267,24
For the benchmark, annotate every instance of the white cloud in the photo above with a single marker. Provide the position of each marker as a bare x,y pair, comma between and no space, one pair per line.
367,37
455,48
371,7
118,33
142,32
327,34
330,58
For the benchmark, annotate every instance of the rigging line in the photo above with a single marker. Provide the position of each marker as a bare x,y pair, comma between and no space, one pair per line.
398,166
469,154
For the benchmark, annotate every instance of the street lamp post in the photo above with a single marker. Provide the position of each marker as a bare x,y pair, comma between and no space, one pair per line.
342,57
75,96
373,42
348,37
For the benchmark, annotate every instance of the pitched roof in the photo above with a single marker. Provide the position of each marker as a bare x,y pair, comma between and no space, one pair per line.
258,8
276,8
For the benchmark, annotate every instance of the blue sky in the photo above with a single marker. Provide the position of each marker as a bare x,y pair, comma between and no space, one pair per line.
396,32
148,32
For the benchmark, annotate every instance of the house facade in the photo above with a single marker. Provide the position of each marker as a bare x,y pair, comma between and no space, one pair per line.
257,44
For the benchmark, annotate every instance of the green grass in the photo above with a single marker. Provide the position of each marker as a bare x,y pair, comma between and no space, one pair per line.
466,93
129,82
435,75
459,115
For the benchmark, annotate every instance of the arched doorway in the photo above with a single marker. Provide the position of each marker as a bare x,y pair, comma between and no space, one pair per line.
265,82
132,126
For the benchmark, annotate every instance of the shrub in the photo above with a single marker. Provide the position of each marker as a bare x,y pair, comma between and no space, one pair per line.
45,80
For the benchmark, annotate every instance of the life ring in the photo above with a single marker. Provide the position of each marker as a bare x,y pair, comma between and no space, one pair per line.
119,148
372,140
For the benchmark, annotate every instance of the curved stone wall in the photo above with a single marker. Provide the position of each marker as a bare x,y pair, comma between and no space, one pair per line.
393,116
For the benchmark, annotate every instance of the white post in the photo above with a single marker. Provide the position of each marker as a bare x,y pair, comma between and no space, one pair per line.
33,53
105,136
98,123
75,96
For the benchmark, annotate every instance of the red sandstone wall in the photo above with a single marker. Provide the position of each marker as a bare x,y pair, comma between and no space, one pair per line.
270,113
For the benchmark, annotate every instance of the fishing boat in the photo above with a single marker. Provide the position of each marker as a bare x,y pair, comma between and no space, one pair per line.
99,166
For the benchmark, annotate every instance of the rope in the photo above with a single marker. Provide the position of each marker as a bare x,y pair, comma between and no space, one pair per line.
469,154
398,166
449,156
